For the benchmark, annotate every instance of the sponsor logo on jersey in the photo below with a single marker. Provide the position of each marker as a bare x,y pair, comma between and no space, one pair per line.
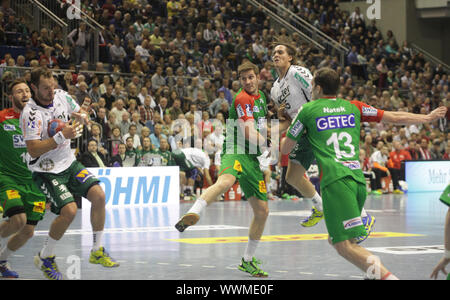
256,109
329,110
348,224
18,141
237,166
240,111
47,164
9,127
352,164
296,128
83,175
369,111
248,110
302,80
335,122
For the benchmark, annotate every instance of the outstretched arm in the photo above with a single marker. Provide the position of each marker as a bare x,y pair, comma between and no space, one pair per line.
405,118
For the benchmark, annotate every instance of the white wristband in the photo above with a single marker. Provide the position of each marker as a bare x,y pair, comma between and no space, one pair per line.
447,254
59,138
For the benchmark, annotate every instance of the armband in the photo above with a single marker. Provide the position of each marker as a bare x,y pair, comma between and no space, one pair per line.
59,138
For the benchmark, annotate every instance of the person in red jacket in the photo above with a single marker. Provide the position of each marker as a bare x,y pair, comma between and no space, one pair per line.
395,165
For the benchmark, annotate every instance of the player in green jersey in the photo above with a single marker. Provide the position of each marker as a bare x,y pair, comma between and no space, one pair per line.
332,126
444,261
239,162
22,201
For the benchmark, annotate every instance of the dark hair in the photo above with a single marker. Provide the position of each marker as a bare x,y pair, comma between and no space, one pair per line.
328,80
291,49
14,83
36,74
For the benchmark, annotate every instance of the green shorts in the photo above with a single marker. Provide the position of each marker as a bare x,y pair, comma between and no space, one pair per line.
343,201
302,153
17,198
445,197
61,188
246,170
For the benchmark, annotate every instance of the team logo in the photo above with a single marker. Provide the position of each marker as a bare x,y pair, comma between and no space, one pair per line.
83,175
47,164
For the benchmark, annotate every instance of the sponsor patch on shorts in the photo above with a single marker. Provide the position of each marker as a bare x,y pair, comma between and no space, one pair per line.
83,175
262,186
39,207
12,194
348,224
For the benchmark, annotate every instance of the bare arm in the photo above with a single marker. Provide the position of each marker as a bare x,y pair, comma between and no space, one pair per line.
405,118
287,144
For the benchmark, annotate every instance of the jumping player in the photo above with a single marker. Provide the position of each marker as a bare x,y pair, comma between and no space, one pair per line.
332,127
248,110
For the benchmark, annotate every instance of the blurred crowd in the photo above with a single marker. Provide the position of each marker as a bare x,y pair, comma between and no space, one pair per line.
165,61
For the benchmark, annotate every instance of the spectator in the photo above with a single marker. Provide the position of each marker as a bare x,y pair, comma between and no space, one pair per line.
117,53
215,106
118,159
79,39
424,152
119,109
157,135
93,158
378,162
132,132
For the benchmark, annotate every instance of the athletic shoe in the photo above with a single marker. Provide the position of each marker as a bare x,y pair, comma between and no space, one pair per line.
48,266
6,271
187,220
397,191
368,222
252,268
102,257
376,192
315,217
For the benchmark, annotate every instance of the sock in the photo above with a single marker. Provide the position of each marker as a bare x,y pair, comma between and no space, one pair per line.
5,253
251,249
317,200
198,206
3,241
97,238
48,249
389,276
363,213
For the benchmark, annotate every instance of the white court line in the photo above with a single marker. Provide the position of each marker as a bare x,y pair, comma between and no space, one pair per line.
145,229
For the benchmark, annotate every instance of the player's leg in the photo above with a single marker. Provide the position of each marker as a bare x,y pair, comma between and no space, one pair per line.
253,185
8,242
223,184
344,225
295,176
85,184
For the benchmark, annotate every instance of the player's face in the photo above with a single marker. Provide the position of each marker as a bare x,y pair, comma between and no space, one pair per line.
45,91
249,81
280,57
20,95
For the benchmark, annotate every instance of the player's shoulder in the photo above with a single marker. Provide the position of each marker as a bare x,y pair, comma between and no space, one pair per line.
300,70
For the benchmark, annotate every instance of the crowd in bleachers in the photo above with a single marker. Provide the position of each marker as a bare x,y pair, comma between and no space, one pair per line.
163,60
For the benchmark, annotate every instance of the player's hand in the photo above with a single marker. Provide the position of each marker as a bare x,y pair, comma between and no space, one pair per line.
440,267
281,112
438,113
72,130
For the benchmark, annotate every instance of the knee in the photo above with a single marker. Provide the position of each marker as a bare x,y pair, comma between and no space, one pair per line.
17,222
262,213
97,196
69,211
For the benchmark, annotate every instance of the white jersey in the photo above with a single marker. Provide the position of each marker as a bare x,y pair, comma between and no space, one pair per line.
294,89
34,121
197,157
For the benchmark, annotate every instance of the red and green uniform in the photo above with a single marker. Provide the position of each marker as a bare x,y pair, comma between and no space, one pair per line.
332,127
239,156
18,192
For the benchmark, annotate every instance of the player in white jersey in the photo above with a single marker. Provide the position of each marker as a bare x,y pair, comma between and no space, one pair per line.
290,91
56,171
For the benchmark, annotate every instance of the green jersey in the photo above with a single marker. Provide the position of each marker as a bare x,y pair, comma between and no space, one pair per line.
244,107
12,147
332,127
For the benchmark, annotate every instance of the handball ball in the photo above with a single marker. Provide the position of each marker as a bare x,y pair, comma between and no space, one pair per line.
54,126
